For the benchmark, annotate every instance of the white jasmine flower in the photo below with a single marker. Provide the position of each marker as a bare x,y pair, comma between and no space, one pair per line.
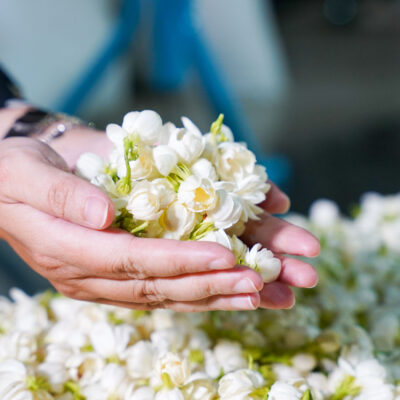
177,368
200,389
165,133
229,356
197,194
144,201
113,384
116,135
239,249
141,167
141,393
286,373
106,183
140,360
304,363
234,161
191,127
178,221
55,373
168,340
169,394
165,159
166,192
284,391
28,315
203,168
162,319
85,368
89,165
227,211
239,384
21,346
264,262
110,341
16,383
324,213
219,236
187,145
147,124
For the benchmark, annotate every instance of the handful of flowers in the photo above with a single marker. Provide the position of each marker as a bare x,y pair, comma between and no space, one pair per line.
176,183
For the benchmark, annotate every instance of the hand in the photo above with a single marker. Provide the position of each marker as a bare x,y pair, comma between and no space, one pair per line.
283,238
273,233
58,223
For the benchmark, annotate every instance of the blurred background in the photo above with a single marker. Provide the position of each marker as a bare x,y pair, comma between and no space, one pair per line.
312,85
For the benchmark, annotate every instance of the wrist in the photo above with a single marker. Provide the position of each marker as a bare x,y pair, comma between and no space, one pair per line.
8,117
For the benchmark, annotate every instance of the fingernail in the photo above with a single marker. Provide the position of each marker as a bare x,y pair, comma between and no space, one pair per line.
292,305
219,263
243,303
245,285
96,211
287,199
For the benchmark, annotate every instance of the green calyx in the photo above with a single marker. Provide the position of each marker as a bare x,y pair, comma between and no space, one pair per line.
348,387
126,222
178,175
216,127
260,393
201,229
167,382
307,395
111,172
112,319
87,348
74,389
196,356
34,383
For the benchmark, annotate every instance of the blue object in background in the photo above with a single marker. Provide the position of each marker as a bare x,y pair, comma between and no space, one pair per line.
118,43
178,46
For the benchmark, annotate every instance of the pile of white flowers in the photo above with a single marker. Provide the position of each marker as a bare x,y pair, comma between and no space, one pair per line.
340,342
176,183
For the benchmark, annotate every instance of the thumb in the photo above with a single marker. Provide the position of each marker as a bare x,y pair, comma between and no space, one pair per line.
41,181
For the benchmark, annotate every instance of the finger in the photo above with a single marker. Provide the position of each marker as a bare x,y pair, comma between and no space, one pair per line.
240,280
276,202
276,295
222,303
48,188
297,273
281,237
113,253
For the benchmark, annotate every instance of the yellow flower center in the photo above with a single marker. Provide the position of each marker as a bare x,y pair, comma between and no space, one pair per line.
200,195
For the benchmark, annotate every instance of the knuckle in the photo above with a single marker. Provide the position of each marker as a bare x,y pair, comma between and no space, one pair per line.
59,195
127,268
207,289
147,291
132,264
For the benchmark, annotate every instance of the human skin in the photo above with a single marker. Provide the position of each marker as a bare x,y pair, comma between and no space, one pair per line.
60,225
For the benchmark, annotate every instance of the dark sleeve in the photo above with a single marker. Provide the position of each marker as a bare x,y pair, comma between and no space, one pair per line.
8,90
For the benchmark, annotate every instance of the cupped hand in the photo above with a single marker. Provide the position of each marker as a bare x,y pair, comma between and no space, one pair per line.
283,239
59,224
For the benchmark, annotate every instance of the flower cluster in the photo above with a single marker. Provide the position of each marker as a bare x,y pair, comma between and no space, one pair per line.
341,341
176,183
